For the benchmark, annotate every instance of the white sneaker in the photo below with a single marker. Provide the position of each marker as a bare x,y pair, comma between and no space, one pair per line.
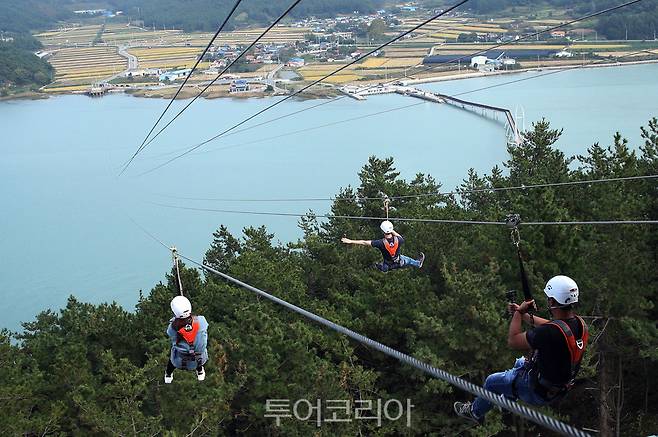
201,375
169,378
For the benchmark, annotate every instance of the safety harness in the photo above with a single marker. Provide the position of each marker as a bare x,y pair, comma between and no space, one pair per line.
392,248
550,390
188,334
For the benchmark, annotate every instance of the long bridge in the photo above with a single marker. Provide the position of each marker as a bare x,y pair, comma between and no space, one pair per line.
493,112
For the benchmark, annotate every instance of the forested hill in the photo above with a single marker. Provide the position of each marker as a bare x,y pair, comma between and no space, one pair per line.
190,15
98,369
638,21
207,14
20,68
21,16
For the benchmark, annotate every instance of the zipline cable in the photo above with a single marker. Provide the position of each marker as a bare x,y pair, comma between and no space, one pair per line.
196,64
525,37
347,217
499,400
418,220
140,149
301,90
372,114
153,237
242,53
458,192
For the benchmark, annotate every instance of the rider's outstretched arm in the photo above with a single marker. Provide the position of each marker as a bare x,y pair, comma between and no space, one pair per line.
357,242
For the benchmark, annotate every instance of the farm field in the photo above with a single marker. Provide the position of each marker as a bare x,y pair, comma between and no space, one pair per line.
85,65
167,57
81,35
453,48
316,71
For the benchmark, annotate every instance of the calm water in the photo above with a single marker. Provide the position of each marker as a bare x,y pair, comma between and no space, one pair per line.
65,223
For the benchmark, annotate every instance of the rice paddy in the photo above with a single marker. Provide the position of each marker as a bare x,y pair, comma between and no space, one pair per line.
86,64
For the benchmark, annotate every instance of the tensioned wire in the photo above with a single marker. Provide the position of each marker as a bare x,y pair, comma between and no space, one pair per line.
410,219
226,131
294,3
221,73
499,400
386,111
301,90
458,192
196,64
187,77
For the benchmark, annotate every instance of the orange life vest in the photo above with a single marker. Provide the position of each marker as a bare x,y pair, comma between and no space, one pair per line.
188,332
392,248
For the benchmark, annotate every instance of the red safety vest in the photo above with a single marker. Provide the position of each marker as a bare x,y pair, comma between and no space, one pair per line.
392,248
188,332
576,345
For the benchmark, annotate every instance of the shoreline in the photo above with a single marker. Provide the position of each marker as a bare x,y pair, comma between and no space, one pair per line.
446,78
320,93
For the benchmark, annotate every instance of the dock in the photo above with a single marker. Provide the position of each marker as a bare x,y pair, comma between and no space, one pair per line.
511,129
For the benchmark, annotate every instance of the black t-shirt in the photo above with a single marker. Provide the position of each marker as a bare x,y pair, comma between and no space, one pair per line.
554,359
380,244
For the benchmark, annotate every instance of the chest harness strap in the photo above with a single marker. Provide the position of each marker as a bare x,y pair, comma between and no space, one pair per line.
392,248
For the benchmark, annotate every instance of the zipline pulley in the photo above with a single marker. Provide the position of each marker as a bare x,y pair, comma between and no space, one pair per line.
174,256
387,201
513,221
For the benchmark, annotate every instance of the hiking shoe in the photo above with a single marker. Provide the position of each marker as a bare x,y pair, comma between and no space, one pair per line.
169,378
465,410
201,374
422,259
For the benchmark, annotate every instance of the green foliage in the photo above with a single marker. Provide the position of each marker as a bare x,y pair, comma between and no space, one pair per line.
22,16
638,21
205,15
19,66
97,369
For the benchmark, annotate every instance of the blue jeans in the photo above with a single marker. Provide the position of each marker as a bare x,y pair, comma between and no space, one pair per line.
501,383
404,262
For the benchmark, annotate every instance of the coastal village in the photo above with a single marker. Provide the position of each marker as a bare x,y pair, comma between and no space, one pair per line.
115,56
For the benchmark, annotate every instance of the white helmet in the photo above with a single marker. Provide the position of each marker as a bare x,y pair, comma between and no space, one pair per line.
563,289
181,307
386,227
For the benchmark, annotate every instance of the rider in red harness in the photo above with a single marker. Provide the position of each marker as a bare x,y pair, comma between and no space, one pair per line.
189,339
390,247
557,348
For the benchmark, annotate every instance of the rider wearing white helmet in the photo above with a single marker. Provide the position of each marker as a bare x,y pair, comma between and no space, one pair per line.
557,347
189,340
390,247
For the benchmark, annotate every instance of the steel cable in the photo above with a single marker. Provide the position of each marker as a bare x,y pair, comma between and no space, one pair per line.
458,192
278,102
372,114
499,400
294,3
407,219
525,37
196,64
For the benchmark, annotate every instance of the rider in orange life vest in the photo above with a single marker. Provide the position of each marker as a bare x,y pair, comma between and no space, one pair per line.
557,348
390,247
189,339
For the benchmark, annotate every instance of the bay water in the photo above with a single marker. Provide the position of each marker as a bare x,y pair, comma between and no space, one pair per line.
66,216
